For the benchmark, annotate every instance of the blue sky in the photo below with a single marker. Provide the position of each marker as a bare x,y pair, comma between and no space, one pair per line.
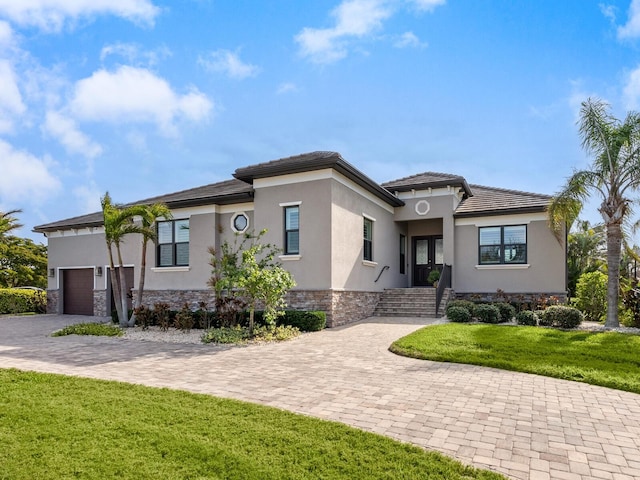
144,97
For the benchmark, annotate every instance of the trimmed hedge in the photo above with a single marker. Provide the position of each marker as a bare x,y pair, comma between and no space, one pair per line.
560,316
507,311
19,300
487,313
466,304
527,317
458,314
305,321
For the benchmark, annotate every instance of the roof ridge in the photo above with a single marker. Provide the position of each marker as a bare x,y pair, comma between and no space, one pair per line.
438,174
214,184
509,190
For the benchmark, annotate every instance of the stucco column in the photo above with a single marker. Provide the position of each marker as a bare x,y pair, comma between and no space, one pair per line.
448,229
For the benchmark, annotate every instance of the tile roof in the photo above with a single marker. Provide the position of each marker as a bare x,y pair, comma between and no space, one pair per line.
228,191
426,180
498,201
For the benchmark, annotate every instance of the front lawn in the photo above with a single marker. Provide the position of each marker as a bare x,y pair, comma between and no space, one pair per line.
54,426
609,359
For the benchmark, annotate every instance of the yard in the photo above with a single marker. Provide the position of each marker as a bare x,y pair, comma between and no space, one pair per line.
608,359
54,426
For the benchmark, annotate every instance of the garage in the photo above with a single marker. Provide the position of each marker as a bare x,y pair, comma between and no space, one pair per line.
77,287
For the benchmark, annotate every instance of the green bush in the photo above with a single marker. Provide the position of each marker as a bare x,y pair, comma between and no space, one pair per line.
19,300
184,319
264,333
99,329
240,335
458,314
466,304
591,295
561,316
235,334
305,321
507,311
487,313
527,317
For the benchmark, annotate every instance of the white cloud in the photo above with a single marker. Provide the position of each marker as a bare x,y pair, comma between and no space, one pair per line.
427,5
134,54
286,88
631,90
229,63
66,131
11,104
609,11
88,197
25,178
409,39
52,15
136,95
354,19
632,28
6,36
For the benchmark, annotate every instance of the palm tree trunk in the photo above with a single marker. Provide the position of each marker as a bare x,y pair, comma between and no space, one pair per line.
115,289
123,290
143,271
614,246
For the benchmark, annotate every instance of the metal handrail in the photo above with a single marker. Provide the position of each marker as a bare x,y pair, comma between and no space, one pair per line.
443,283
386,267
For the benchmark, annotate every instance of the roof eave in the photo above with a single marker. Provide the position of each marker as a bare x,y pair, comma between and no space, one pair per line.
503,211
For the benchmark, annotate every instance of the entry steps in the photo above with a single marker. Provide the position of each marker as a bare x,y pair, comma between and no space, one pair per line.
411,302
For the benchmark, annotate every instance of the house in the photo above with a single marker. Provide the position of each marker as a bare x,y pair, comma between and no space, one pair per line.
345,238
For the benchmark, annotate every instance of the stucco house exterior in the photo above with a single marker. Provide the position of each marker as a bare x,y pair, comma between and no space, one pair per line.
345,238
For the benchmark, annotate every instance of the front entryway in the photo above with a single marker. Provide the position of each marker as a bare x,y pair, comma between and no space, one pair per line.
427,256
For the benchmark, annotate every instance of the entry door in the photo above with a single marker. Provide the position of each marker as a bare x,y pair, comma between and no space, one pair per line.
427,256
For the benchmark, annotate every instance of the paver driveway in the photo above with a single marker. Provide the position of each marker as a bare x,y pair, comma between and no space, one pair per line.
524,426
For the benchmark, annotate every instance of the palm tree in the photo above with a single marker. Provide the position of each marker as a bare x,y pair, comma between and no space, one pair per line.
8,222
614,175
149,214
118,222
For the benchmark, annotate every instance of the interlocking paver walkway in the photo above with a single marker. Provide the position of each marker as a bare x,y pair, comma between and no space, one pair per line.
525,426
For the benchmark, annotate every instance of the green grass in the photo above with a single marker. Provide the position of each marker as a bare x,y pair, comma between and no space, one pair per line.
100,329
609,359
54,426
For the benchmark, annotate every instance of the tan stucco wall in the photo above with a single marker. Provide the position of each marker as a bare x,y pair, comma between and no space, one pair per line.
313,268
348,270
545,257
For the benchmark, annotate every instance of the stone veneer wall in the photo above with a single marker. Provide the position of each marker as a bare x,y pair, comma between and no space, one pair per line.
341,307
52,301
100,303
535,298
177,298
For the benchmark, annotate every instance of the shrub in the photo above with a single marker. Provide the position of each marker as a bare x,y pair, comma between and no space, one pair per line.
466,304
270,334
100,329
527,317
591,295
507,311
19,300
162,314
487,313
144,316
434,276
561,316
235,334
304,321
184,319
458,314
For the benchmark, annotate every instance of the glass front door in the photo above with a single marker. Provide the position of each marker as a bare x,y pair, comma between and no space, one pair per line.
427,256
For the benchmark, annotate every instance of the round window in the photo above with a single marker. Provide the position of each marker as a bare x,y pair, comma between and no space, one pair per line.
240,222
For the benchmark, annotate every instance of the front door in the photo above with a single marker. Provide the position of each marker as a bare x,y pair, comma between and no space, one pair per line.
427,256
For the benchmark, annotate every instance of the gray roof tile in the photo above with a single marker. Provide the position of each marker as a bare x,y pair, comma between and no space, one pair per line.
498,201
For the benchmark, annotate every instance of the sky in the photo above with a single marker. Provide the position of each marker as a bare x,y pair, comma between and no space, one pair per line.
146,97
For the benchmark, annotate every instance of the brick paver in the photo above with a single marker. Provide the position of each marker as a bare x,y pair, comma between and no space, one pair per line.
525,426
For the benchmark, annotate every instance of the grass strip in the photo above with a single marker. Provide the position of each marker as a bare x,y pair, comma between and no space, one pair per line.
609,359
54,426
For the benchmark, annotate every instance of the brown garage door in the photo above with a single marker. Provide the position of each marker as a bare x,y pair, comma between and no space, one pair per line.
78,291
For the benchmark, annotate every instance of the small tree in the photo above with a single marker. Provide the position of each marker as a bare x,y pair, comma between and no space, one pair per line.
591,295
264,282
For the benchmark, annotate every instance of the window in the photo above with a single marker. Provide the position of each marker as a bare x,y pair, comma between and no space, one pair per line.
239,222
368,240
503,245
173,243
292,230
403,251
